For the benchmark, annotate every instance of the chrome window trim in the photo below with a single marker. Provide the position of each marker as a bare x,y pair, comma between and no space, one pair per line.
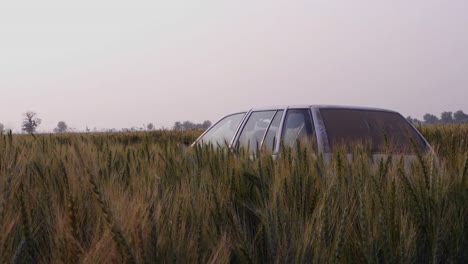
321,132
428,146
235,141
297,108
268,127
278,133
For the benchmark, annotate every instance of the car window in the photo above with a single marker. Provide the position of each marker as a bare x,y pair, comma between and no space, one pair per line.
298,125
270,138
255,128
351,126
223,131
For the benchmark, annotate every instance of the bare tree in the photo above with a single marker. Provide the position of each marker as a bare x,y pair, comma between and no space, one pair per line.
30,122
150,126
61,127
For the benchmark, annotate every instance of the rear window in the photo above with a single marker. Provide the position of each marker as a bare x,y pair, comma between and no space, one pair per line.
346,127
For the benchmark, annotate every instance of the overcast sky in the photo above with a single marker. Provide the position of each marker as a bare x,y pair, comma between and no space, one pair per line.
116,64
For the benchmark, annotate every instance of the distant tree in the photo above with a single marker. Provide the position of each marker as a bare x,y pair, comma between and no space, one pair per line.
177,126
187,125
30,122
2,127
413,121
460,117
446,117
430,119
206,124
150,126
61,127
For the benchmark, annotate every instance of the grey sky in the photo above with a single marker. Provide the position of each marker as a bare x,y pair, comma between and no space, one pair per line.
115,64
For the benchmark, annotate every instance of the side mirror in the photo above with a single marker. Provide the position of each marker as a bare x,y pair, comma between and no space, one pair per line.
183,145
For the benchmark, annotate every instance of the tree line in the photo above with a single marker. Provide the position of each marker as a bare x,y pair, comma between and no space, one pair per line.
31,122
458,117
188,125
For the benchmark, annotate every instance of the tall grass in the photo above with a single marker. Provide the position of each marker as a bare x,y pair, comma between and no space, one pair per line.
136,198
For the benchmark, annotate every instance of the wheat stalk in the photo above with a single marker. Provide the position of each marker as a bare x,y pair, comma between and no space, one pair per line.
117,233
26,227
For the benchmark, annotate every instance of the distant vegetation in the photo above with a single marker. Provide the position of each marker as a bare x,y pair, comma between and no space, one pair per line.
62,127
31,123
187,125
136,198
459,117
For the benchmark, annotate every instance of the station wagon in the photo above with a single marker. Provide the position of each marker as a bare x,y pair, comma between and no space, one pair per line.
326,127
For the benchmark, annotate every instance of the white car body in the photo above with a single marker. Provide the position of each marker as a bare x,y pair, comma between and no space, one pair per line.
364,123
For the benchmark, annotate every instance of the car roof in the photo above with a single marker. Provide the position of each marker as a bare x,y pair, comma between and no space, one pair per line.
321,107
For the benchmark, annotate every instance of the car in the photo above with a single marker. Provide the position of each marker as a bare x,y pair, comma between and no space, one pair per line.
325,127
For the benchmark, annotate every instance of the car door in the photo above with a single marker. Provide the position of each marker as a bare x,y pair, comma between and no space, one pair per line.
254,130
221,134
298,126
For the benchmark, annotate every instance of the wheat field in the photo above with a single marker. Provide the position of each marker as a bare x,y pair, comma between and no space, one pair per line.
136,198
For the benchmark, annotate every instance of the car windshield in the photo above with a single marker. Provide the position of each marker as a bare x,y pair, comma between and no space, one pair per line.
222,132
384,131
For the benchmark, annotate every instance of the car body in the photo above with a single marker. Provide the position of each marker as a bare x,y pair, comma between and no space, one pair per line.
326,127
